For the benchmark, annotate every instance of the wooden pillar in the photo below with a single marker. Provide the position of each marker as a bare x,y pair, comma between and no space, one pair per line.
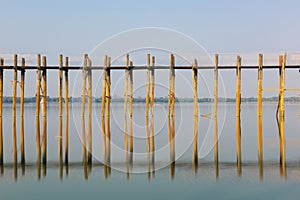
107,125
282,60
126,103
60,107
89,111
67,111
108,100
147,102
22,138
152,104
130,107
195,81
238,111
37,109
103,102
14,109
216,133
173,96
83,108
282,82
44,109
259,107
1,109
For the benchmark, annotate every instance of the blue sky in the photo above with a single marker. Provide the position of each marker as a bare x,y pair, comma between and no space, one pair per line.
75,27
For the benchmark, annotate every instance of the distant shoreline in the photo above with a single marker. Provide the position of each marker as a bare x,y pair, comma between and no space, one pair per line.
248,100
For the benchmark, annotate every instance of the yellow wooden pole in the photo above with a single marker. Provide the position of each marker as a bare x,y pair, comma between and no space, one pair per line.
60,107
259,107
195,80
103,115
89,112
37,109
238,111
1,109
107,125
83,108
173,96
44,109
126,103
281,112
130,107
152,104
14,109
67,111
216,134
22,138
147,102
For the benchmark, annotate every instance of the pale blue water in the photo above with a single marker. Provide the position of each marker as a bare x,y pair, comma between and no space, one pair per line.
185,183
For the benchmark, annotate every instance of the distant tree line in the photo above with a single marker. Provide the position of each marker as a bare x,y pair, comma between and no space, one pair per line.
158,100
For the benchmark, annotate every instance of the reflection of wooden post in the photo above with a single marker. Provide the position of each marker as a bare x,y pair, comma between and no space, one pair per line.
216,134
37,109
238,111
22,138
126,103
152,103
1,99
89,112
130,106
83,108
60,82
44,109
147,102
14,109
195,80
67,111
259,107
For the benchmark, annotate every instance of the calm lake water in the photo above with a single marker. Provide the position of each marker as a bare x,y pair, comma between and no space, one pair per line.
179,182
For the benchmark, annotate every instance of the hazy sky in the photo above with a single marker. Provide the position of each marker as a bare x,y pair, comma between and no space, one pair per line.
73,28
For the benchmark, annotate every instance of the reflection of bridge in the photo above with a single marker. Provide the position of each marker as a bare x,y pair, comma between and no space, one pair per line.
87,68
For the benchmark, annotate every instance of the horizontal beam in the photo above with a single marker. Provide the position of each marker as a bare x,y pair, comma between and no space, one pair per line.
145,67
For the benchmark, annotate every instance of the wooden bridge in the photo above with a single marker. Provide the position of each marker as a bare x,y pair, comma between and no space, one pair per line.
63,68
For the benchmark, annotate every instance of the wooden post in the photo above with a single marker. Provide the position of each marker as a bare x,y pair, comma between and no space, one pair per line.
60,107
1,109
147,102
107,125
14,109
37,109
44,109
130,107
67,111
103,102
173,96
195,80
216,134
282,81
152,104
238,110
89,111
259,107
126,103
282,60
22,138
83,108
